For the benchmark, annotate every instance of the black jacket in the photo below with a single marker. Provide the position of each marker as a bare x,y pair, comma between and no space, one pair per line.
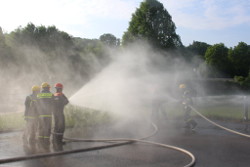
31,106
45,103
60,100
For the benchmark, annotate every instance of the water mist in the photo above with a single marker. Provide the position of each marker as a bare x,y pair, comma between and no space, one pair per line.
129,86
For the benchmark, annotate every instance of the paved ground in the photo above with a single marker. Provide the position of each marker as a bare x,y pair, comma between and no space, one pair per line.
211,146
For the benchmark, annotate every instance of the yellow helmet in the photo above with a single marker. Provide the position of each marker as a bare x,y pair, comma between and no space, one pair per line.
182,86
35,88
45,85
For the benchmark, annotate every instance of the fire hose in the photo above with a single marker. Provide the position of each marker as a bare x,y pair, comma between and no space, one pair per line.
121,142
222,127
141,140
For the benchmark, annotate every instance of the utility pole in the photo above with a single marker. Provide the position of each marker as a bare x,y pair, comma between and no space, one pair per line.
246,106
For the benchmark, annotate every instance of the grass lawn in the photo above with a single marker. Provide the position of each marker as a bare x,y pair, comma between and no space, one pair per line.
229,112
74,117
221,110
11,121
85,117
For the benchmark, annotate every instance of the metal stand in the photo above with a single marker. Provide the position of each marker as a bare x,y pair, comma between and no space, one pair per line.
245,118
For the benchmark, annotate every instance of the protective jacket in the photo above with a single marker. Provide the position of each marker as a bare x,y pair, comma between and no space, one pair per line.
45,103
60,100
187,102
30,107
31,116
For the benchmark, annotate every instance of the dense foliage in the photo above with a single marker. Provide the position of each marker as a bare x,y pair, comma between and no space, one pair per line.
216,57
153,23
39,53
224,62
198,48
110,40
240,56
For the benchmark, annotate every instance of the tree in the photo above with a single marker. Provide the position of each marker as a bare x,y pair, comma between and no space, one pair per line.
110,40
48,39
198,48
5,50
2,38
240,57
217,59
153,23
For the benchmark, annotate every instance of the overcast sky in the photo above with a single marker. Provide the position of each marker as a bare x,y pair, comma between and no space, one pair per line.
210,21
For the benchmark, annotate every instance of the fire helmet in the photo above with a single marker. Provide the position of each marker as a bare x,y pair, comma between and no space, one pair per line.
35,88
58,85
45,85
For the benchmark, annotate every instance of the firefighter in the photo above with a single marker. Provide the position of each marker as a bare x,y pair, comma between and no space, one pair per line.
186,102
182,89
60,101
31,118
45,103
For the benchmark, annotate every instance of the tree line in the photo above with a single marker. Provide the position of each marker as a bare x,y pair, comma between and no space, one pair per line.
51,54
34,54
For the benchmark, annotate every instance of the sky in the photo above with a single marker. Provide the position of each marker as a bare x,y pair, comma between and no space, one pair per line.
210,21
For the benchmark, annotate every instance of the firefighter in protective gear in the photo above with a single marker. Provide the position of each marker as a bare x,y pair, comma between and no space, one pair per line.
186,102
60,100
182,89
45,103
31,117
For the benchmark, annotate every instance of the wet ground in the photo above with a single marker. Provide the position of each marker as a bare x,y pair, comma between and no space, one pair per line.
211,146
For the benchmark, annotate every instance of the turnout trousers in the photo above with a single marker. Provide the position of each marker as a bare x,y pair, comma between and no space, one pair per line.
44,131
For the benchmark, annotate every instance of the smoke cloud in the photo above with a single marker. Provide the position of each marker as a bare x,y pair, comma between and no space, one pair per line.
33,66
137,78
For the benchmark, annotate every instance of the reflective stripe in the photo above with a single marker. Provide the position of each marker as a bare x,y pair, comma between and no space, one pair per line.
44,95
43,116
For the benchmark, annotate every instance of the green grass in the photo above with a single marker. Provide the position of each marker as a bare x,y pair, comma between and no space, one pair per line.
11,121
227,112
84,117
74,117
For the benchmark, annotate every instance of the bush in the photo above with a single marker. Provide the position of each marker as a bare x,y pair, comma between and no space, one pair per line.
75,117
243,81
11,121
85,117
